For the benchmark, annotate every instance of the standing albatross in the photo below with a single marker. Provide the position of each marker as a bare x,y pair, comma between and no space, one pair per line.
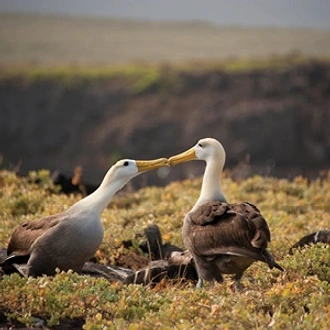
67,240
223,238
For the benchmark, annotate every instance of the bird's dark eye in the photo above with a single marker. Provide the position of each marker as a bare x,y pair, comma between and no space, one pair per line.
126,163
200,145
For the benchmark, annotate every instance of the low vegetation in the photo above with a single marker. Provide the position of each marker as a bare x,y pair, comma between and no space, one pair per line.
299,298
139,78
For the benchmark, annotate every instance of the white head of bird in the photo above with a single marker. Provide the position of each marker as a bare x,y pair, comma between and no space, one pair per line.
125,170
207,149
212,152
117,176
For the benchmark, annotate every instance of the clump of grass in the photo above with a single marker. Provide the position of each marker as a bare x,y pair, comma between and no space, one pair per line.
139,78
299,298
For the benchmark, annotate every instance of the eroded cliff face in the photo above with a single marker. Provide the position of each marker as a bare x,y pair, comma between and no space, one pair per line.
279,119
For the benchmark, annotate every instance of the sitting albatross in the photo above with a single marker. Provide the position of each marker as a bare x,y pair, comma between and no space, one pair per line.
67,240
223,238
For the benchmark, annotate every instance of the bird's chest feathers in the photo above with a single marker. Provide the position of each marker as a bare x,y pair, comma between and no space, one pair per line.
85,230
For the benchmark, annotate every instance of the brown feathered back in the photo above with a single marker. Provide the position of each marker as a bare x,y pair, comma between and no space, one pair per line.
321,236
217,229
226,224
28,232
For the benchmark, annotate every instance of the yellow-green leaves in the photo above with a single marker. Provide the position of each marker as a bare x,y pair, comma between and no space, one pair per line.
298,298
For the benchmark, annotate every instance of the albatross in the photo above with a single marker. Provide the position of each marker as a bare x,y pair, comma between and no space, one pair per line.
67,240
223,238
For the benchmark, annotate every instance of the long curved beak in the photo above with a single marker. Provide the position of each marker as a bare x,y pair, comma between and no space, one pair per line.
183,157
147,165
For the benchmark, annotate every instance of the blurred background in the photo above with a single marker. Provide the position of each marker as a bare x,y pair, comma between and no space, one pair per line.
89,82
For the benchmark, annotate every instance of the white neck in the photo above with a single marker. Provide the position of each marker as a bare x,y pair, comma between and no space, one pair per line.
101,197
211,186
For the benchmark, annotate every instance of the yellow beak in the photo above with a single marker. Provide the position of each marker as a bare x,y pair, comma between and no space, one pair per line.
147,165
183,157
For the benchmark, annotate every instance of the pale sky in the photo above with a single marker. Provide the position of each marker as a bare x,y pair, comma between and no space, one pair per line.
285,13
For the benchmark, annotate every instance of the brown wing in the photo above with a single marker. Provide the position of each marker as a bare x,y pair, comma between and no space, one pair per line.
207,213
26,234
215,228
262,236
322,236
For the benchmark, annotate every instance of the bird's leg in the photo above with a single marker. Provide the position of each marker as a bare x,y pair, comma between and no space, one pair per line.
23,269
199,284
238,284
